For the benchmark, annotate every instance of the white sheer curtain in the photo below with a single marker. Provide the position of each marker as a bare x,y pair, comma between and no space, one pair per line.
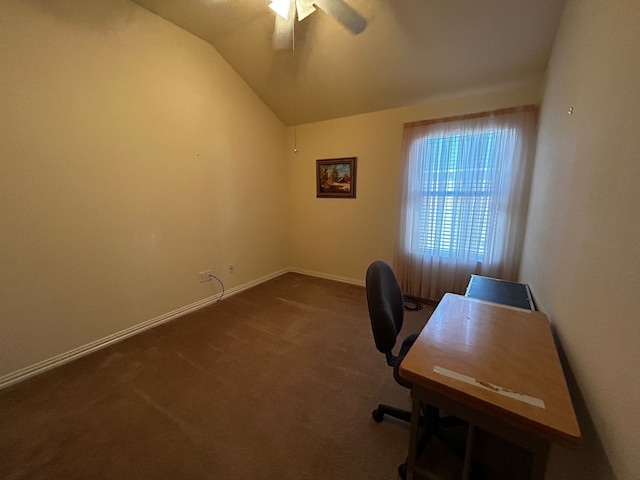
464,201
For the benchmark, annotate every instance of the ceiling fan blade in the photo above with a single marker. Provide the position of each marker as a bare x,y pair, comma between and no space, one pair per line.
344,14
283,33
304,8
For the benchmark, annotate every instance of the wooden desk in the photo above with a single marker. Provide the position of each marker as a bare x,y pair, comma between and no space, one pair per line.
496,367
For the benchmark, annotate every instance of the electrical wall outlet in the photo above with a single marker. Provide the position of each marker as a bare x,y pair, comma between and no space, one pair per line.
232,268
205,276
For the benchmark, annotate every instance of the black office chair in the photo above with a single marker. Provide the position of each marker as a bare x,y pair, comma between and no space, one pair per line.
386,312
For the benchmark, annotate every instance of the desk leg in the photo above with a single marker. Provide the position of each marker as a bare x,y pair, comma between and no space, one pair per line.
540,457
413,436
467,453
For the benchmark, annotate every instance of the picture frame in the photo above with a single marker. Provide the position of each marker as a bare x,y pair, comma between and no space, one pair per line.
336,178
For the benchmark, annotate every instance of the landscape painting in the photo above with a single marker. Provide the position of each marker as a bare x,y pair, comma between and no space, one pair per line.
336,178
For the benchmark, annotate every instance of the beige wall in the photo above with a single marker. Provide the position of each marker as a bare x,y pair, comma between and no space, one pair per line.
582,249
131,158
340,237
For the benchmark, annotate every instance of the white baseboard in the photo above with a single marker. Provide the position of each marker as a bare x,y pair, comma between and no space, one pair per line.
63,358
337,278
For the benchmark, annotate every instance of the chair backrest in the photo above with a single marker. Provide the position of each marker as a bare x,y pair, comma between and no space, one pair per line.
386,305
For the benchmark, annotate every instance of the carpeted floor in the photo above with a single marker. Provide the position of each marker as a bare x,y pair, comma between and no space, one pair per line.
277,382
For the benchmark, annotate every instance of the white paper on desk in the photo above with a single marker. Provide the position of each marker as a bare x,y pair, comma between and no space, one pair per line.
536,402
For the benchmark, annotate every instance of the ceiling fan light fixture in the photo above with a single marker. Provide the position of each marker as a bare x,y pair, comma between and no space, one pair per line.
281,7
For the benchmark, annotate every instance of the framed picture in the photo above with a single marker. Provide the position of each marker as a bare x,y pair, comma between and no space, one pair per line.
336,178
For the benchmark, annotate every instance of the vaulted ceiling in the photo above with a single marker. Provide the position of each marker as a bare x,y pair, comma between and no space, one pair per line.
411,51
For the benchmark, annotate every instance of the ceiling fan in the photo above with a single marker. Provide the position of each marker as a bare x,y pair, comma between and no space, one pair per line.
287,10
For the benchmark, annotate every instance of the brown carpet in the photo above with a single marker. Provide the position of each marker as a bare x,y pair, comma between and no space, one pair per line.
277,382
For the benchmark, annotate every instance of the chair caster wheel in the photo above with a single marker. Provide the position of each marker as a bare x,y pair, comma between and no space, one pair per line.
377,415
402,471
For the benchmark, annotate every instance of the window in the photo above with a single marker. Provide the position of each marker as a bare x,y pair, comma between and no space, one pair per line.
465,196
456,197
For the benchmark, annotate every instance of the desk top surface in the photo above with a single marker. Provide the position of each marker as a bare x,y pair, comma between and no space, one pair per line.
500,361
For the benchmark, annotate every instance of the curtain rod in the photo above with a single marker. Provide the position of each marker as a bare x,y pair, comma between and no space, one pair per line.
468,116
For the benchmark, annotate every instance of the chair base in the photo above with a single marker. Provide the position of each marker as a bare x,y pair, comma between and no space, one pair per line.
442,423
434,426
382,410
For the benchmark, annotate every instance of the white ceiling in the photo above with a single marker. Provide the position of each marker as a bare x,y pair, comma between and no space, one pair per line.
410,52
